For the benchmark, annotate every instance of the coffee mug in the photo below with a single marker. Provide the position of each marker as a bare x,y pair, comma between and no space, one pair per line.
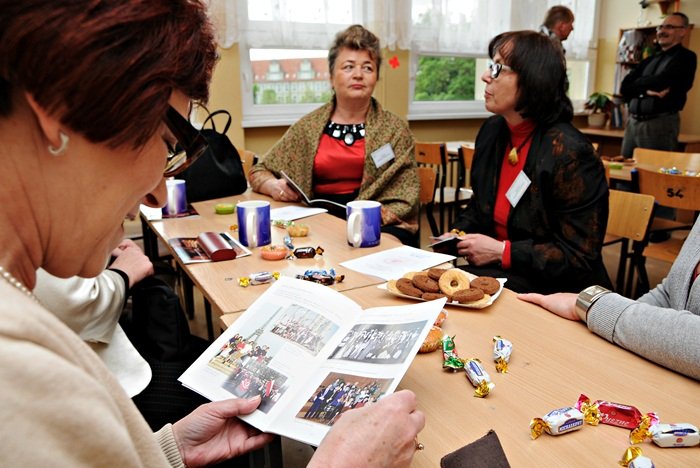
254,223
176,202
364,223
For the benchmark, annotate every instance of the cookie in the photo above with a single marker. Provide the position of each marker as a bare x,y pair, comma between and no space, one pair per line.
425,284
468,295
430,296
405,286
487,284
436,273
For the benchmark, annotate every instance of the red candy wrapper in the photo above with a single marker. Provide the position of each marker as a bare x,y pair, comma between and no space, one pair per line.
613,414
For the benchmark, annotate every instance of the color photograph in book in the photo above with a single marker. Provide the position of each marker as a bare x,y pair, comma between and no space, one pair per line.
311,353
208,247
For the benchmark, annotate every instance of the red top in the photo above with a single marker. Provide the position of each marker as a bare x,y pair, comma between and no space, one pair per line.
337,166
520,138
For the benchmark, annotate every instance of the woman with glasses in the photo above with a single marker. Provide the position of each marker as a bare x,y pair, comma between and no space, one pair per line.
92,95
349,148
540,205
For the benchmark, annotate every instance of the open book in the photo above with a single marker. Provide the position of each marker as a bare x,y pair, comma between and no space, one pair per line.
208,247
312,354
335,208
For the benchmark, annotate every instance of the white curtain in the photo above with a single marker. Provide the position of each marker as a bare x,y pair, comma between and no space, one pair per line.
437,26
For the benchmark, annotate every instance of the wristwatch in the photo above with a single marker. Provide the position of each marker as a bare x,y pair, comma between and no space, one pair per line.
586,298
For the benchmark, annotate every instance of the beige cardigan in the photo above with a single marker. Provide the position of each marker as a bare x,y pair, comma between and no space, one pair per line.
60,405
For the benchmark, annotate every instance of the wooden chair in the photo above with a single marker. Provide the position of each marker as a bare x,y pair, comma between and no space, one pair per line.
628,221
673,191
464,182
426,196
649,158
435,155
248,158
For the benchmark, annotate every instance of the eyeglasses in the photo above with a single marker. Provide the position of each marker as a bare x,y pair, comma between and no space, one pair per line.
496,68
668,27
191,144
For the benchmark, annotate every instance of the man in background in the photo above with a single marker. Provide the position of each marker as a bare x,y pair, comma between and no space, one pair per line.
657,90
558,24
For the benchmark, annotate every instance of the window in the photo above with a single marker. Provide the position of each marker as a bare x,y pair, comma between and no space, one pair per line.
449,43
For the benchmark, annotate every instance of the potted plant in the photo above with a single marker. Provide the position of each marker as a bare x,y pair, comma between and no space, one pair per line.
599,105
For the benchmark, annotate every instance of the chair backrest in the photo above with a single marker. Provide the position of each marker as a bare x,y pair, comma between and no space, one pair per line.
466,155
674,191
654,159
247,159
629,214
431,153
426,176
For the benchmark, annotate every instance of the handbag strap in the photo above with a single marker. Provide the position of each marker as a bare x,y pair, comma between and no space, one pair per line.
210,119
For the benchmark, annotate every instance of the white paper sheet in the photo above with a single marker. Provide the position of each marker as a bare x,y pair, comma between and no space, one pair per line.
394,263
292,212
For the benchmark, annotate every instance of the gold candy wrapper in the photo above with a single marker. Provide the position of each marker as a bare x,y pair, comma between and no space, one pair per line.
258,278
633,458
502,350
557,422
478,376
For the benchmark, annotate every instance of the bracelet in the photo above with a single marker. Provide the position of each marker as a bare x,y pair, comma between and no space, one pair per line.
586,299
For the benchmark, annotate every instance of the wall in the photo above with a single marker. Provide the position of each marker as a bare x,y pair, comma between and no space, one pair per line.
392,88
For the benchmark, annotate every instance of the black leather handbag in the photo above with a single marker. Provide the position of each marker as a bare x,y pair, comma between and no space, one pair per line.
219,171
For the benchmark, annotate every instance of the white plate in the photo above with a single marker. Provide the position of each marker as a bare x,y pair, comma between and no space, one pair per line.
456,304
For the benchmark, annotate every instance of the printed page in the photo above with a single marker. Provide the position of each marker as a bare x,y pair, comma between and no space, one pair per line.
293,185
274,347
394,263
294,212
333,207
365,365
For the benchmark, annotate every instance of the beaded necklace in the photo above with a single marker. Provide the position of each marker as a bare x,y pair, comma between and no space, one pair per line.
348,133
7,276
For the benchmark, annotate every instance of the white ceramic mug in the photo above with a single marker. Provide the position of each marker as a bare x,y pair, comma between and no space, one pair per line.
176,202
364,223
254,223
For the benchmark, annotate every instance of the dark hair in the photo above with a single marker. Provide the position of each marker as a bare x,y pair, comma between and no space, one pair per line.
355,37
682,16
105,68
541,69
556,14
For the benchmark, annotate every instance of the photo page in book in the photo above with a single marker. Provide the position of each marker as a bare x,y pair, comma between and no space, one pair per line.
337,209
208,247
312,354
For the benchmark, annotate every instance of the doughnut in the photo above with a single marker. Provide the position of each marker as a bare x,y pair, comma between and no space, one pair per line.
436,273
425,284
298,230
405,286
431,296
453,280
432,341
273,252
440,318
465,296
487,284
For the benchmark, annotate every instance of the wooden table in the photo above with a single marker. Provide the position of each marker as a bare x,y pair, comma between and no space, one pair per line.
610,140
218,281
553,361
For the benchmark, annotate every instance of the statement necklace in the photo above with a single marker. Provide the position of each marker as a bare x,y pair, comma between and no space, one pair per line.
7,276
349,134
513,156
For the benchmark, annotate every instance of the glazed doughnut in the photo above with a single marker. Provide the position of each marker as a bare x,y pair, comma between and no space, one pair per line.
405,286
440,318
273,252
431,296
436,273
453,280
468,295
487,284
425,284
432,341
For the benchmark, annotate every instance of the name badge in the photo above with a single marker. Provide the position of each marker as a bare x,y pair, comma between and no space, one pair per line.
517,190
383,155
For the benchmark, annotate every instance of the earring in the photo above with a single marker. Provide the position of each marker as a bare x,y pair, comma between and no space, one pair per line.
61,149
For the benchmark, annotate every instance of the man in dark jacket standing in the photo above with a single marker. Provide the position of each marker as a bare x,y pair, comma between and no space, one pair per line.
657,90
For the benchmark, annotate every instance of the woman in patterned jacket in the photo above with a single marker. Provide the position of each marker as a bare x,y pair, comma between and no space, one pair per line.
350,148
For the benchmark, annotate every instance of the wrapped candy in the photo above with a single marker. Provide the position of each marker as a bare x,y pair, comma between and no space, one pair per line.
307,252
665,435
478,376
613,414
502,349
450,360
261,277
557,422
325,277
633,458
